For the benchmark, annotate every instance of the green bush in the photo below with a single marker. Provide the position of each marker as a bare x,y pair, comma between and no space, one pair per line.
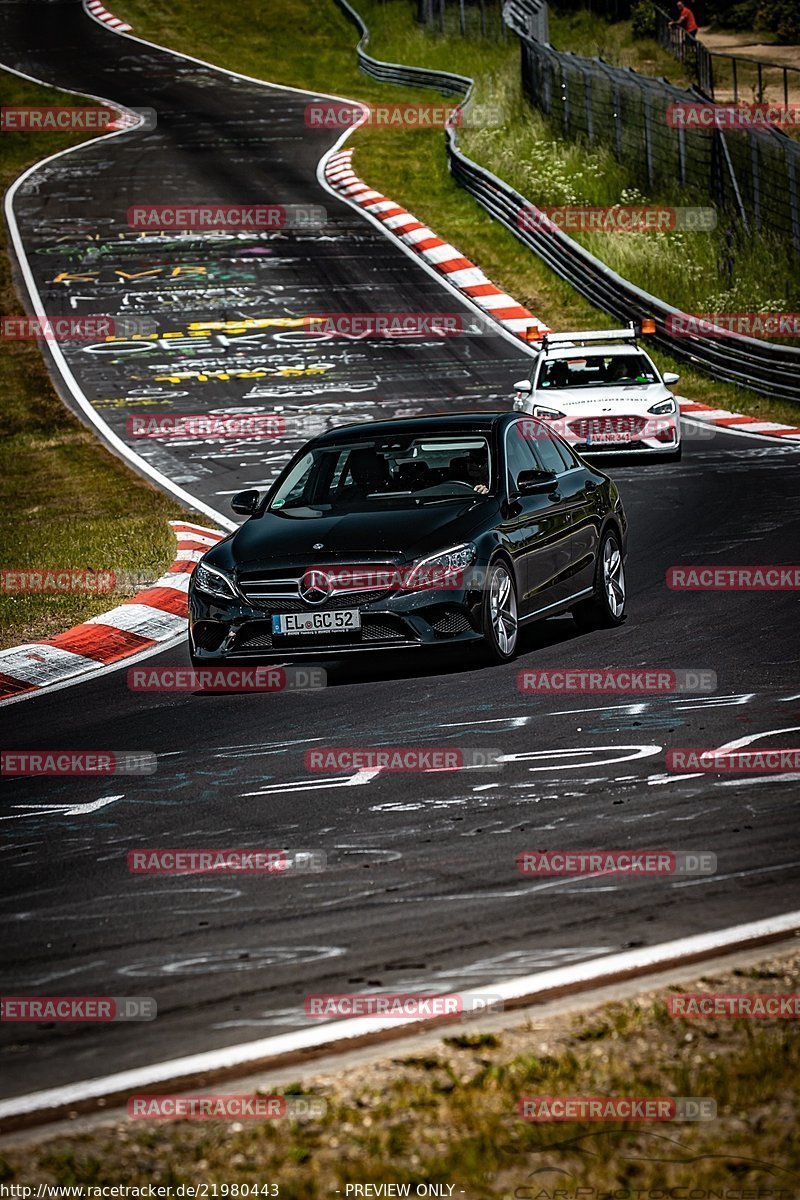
643,19
781,17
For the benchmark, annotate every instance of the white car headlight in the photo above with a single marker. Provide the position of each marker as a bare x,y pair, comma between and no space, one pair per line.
546,414
441,570
663,407
209,579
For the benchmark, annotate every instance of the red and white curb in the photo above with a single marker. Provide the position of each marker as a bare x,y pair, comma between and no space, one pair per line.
100,13
444,258
736,422
156,615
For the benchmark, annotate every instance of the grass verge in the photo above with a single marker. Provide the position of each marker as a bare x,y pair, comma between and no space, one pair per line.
448,1116
313,46
66,501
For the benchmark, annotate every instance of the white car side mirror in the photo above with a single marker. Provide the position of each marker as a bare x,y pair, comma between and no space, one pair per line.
523,385
670,377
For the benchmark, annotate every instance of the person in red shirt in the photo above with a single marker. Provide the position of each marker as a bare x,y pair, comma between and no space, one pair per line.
685,19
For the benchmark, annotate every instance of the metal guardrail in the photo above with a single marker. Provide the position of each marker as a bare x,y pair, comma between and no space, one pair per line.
764,367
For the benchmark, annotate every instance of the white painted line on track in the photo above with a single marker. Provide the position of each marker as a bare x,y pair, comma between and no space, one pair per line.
576,977
107,435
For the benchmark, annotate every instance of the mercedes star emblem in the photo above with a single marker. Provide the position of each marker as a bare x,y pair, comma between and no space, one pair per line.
315,587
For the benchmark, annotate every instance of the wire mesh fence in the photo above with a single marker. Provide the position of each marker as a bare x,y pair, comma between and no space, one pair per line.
470,18
662,133
765,367
666,134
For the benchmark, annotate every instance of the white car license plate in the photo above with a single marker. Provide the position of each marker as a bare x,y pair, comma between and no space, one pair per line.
609,438
343,620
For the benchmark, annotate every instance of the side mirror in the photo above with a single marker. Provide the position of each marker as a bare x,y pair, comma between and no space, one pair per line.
246,503
536,483
670,377
523,385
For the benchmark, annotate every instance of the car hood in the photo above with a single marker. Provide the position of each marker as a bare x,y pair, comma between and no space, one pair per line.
399,535
614,400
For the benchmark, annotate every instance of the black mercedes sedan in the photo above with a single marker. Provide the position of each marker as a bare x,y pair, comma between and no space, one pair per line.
414,533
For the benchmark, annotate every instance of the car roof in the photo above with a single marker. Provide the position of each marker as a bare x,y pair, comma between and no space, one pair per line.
611,348
440,423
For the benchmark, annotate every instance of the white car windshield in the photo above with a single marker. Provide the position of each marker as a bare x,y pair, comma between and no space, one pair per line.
597,370
397,473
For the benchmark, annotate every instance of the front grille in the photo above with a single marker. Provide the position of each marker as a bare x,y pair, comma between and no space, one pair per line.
447,620
291,604
382,629
209,635
592,427
257,635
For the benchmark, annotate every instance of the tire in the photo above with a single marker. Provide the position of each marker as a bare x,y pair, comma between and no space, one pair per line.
606,607
499,620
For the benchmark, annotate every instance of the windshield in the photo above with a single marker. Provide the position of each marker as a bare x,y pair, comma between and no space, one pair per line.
597,370
393,473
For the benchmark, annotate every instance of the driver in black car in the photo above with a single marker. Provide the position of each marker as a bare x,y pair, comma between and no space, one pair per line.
472,470
369,472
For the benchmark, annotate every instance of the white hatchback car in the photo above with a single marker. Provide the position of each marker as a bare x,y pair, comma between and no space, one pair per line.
603,394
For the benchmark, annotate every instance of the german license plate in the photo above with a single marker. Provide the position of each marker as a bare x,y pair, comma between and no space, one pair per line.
609,437
343,620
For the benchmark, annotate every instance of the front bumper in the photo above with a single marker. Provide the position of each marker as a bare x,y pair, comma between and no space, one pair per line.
620,433
221,632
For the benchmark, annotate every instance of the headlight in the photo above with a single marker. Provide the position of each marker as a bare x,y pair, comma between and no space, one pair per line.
663,407
442,570
209,579
546,414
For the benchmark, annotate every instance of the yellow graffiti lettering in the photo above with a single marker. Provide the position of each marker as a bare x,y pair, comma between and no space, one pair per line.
65,277
138,274
258,323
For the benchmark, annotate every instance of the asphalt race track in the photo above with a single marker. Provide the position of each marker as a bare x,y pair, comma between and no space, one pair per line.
421,889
